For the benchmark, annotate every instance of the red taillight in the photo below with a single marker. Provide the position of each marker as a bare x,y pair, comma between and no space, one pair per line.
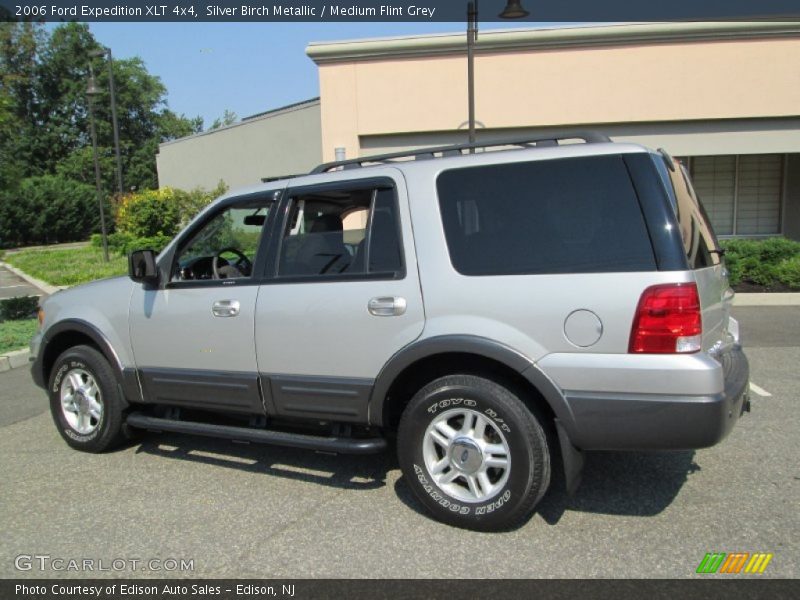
667,320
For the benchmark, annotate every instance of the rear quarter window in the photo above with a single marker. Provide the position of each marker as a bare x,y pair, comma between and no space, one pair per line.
699,242
576,215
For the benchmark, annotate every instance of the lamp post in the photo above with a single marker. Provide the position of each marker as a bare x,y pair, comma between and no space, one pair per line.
91,92
513,10
107,53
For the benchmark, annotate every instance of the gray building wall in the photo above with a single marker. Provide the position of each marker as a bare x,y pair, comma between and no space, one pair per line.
285,141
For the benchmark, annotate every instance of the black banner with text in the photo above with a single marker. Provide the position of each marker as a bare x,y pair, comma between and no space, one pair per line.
391,10
464,589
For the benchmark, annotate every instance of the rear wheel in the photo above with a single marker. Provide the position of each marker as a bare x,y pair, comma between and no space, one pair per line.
473,453
85,400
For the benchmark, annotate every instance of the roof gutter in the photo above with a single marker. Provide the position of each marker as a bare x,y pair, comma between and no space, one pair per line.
538,39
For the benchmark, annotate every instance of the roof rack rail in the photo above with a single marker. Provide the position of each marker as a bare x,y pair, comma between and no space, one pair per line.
279,177
590,137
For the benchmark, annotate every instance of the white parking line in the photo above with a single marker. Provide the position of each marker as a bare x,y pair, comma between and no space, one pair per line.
759,390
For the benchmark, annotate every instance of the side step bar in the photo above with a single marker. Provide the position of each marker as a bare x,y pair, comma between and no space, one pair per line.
261,436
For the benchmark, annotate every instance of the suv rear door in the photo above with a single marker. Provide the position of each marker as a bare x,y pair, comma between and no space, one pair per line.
343,296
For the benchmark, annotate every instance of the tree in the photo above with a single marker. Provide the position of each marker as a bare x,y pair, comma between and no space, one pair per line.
44,113
228,118
18,47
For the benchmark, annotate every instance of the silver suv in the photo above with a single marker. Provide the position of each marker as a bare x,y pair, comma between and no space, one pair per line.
499,309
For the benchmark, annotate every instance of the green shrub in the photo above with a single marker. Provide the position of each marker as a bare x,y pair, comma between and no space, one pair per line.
766,262
47,210
788,272
16,309
124,243
149,213
192,202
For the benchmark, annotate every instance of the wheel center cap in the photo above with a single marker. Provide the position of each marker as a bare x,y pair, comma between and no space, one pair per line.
466,455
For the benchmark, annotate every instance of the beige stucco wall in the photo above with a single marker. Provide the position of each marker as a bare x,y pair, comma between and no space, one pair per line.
644,82
285,142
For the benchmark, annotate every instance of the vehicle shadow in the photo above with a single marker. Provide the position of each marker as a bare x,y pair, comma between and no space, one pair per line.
345,472
614,483
639,484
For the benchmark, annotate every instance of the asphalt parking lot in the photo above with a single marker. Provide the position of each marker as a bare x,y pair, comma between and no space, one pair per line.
13,286
257,511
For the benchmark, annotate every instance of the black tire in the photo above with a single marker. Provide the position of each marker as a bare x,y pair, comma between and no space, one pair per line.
109,431
529,458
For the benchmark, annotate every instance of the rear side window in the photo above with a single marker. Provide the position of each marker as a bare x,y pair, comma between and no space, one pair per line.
576,215
699,241
343,231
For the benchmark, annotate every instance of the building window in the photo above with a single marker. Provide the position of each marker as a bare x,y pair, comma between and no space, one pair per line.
741,194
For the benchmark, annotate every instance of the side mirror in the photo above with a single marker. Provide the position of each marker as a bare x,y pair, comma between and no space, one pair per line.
142,266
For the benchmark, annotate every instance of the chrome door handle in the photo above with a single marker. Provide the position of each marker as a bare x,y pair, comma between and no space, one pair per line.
225,308
386,306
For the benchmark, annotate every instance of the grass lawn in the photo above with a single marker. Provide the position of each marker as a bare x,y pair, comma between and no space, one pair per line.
67,266
15,335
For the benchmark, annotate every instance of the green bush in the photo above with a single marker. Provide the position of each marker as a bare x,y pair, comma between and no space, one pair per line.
124,243
16,309
47,210
788,272
766,262
192,202
163,212
149,213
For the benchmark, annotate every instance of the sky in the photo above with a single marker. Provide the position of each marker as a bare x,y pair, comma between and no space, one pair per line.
246,68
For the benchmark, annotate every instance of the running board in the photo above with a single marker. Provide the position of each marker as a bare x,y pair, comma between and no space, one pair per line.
261,436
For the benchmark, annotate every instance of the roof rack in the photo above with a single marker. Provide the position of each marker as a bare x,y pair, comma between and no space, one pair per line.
590,137
280,177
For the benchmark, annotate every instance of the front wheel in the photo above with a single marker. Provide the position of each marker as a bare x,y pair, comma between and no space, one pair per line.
473,453
85,401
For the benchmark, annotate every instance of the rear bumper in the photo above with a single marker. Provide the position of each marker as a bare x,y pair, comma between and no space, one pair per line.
640,421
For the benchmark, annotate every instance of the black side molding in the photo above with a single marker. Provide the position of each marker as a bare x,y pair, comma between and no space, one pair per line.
261,436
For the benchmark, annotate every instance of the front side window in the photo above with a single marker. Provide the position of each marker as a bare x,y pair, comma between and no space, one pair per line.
342,232
224,247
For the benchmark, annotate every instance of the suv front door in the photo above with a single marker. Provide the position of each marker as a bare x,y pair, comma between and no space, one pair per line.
344,296
192,337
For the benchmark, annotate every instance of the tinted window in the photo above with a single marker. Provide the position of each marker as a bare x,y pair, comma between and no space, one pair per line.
699,241
341,232
577,215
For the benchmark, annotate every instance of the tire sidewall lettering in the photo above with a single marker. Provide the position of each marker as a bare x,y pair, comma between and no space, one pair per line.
438,495
63,369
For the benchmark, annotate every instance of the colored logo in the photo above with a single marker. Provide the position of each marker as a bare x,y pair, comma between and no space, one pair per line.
735,562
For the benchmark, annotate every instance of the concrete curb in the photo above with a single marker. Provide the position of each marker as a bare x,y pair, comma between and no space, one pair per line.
14,359
37,283
778,299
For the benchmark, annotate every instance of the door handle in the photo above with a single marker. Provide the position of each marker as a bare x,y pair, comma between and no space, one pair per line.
225,308
387,306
